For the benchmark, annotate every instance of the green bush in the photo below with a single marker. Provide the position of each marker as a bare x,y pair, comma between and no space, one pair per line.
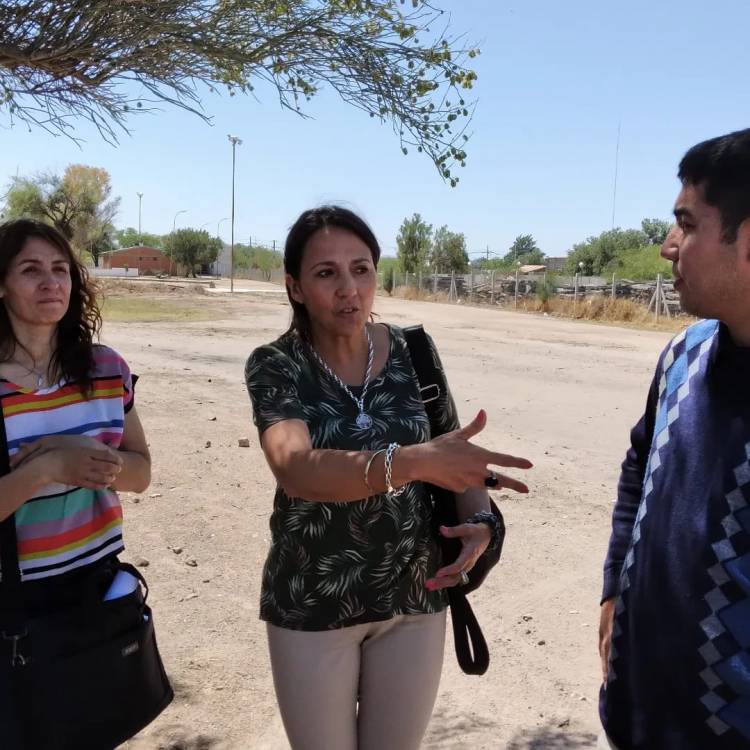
546,289
641,264
388,280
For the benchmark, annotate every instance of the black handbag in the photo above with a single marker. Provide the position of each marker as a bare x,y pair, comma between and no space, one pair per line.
471,647
87,677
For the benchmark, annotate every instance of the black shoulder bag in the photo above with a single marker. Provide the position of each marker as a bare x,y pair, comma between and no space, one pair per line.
471,647
84,678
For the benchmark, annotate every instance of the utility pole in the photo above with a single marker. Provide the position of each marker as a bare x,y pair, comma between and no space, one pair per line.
617,162
235,141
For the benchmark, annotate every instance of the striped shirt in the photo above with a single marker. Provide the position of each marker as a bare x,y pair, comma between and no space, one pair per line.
63,527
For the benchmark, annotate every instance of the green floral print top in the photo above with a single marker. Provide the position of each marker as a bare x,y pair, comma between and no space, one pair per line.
336,564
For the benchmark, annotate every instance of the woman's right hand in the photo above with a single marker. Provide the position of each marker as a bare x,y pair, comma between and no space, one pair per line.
94,467
452,462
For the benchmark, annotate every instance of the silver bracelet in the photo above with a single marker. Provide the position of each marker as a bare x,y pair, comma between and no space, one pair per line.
389,453
369,465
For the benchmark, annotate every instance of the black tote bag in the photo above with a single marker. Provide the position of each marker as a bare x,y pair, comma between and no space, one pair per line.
87,677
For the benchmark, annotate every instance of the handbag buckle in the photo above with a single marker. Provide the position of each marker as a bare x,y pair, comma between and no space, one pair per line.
17,659
433,387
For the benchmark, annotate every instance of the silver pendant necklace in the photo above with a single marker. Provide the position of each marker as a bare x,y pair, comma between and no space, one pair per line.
363,420
41,377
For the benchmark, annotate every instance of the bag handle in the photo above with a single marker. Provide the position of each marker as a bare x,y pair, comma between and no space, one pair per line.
471,647
466,633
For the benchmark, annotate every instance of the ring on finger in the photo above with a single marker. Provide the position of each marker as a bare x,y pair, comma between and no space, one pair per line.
464,577
491,480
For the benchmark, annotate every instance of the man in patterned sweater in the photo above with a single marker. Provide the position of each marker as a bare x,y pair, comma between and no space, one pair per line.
675,619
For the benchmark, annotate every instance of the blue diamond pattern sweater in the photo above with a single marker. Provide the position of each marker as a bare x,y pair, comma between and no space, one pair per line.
679,556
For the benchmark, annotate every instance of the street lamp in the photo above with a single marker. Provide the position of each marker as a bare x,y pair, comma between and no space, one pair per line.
174,221
235,141
140,198
218,224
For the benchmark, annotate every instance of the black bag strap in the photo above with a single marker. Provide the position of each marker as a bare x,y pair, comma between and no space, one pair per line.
12,628
8,541
471,647
431,378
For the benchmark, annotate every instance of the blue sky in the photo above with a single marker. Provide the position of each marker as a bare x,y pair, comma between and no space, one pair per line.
554,81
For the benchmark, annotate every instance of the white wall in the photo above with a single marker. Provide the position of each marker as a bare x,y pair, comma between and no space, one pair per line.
113,271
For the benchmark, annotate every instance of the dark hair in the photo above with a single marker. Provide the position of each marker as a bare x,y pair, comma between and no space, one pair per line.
310,222
722,167
73,357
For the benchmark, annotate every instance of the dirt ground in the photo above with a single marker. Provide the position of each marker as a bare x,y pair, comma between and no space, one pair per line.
563,394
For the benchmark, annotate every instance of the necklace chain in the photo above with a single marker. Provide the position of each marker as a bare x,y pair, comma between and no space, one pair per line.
41,377
360,402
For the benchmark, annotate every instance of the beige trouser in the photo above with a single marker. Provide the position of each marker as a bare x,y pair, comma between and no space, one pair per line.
392,668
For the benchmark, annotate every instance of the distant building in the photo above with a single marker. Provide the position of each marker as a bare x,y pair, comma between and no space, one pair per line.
145,259
222,266
556,265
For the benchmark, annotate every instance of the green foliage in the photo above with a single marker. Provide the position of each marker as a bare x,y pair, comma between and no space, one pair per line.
656,230
391,59
389,274
641,264
414,244
25,200
496,264
386,267
79,204
266,261
546,289
129,237
597,253
524,250
449,252
257,258
192,248
242,254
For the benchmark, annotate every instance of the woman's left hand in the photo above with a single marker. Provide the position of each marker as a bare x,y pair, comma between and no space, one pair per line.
475,537
28,451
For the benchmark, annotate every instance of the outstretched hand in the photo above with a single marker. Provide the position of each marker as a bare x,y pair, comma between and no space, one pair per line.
455,463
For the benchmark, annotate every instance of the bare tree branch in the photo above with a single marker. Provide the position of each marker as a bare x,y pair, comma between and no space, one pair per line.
75,58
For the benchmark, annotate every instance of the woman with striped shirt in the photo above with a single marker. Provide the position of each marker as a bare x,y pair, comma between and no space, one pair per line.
73,435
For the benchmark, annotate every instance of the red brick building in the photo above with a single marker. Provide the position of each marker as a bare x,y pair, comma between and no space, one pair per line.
145,259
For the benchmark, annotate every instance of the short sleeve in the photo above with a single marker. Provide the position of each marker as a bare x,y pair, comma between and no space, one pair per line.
128,383
448,412
271,377
109,364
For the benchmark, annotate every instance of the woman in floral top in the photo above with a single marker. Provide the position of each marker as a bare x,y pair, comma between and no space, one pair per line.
353,588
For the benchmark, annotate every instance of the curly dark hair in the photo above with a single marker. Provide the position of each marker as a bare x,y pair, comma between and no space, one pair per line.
73,357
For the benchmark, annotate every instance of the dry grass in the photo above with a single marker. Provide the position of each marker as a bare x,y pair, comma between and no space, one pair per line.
605,310
144,309
110,287
153,301
596,308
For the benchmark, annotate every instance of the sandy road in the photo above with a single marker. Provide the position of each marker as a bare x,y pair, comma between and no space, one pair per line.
562,393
